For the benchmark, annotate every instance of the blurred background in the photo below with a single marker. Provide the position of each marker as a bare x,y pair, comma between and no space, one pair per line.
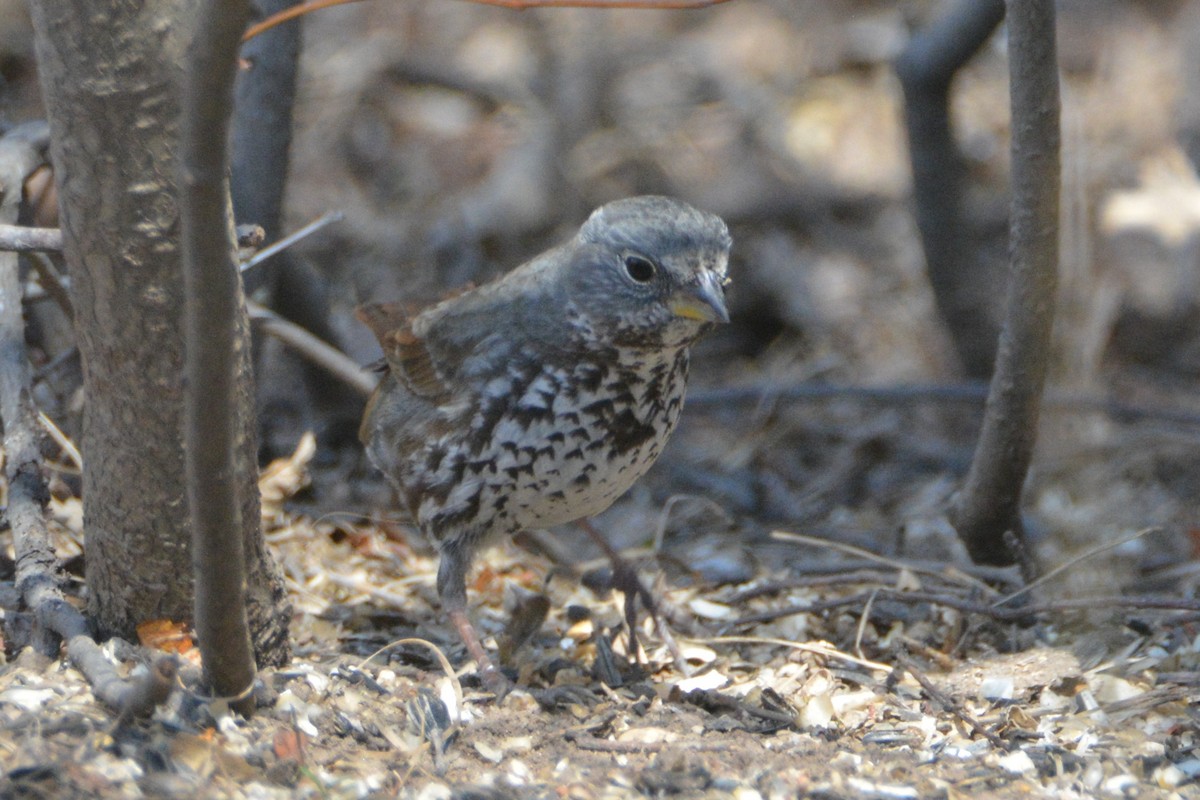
459,140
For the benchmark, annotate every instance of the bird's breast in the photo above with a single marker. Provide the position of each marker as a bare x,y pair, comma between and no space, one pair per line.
549,443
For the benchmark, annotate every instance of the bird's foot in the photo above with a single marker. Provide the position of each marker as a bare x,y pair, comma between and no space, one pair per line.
625,579
493,679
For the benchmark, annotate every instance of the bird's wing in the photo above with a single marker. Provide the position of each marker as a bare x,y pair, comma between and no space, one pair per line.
405,353
439,351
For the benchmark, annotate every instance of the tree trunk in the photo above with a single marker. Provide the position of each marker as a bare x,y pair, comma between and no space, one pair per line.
111,76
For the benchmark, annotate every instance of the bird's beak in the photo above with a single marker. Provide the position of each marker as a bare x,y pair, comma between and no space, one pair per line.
703,301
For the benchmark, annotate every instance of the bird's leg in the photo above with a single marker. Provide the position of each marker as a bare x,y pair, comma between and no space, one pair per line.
452,590
625,578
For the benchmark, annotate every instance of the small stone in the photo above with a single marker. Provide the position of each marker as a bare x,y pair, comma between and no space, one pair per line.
1118,785
434,791
1017,763
1169,776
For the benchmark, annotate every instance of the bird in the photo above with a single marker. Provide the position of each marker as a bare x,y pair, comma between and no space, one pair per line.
539,398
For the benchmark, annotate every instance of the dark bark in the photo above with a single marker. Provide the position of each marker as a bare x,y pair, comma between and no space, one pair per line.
262,129
216,334
926,70
988,506
111,77
264,95
38,579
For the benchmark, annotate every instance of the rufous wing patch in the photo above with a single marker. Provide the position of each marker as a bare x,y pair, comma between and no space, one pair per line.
404,351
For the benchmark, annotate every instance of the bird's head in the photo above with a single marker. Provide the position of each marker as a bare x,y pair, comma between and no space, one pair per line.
649,272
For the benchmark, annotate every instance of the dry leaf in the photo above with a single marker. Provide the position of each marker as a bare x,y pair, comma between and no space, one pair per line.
166,635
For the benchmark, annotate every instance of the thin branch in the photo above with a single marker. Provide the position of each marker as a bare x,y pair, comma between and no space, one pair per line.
946,702
999,613
289,240
53,284
289,14
665,5
64,443
517,5
926,70
595,744
294,336
1061,568
314,349
895,563
211,325
815,648
447,668
19,239
989,502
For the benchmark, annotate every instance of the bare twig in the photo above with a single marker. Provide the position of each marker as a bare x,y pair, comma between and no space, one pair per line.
946,702
595,744
212,333
52,282
666,5
447,668
518,5
989,502
61,439
816,607
1095,551
302,341
290,14
318,352
861,628
926,70
19,239
816,648
999,613
785,536
291,239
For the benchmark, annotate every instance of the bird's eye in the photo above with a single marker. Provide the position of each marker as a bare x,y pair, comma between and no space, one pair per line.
640,269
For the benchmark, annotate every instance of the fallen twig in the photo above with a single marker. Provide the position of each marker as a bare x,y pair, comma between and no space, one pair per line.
1103,548
597,745
816,648
447,669
1002,614
786,536
148,691
946,702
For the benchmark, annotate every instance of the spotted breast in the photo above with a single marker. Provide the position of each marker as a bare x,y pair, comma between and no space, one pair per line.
540,398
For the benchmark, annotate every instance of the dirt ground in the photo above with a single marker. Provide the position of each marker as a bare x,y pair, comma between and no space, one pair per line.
833,640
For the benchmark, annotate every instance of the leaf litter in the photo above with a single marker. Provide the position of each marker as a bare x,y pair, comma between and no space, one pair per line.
872,697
